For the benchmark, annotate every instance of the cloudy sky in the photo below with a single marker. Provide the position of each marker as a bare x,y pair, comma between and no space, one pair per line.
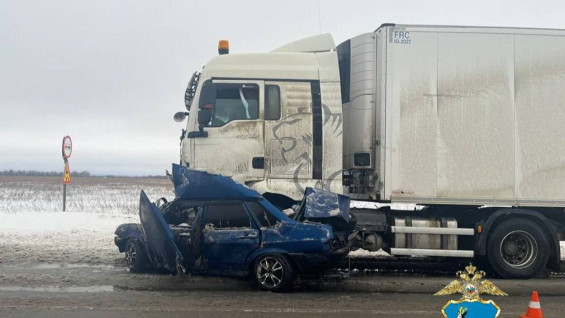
111,73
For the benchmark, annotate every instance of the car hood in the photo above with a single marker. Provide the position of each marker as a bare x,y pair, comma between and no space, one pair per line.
324,204
159,238
199,185
327,208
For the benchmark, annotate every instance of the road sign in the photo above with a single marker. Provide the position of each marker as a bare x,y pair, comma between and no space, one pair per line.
67,174
66,150
67,147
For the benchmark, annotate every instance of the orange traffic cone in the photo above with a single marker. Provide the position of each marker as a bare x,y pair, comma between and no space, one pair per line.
534,309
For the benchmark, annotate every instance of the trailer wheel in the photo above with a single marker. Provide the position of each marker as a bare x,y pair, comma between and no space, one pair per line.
273,272
135,255
518,248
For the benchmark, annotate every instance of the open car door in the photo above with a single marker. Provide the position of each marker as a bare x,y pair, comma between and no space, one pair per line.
159,238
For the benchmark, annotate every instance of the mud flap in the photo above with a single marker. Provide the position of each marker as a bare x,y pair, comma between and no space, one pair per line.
159,238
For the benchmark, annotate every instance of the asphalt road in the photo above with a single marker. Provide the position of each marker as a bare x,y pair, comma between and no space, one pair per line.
106,291
243,304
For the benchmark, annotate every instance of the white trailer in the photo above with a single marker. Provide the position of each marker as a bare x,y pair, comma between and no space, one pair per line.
464,121
459,115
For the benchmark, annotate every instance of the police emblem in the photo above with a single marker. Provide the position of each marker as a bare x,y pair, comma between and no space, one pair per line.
470,285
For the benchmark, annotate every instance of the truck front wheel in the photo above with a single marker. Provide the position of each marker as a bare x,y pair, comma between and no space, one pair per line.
518,248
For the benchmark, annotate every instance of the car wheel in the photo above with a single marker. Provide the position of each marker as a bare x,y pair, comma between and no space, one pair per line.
518,248
273,272
135,255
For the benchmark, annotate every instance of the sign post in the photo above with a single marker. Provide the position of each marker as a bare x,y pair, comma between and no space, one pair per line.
67,150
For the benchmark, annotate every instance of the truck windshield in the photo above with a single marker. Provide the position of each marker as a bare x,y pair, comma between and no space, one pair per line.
235,102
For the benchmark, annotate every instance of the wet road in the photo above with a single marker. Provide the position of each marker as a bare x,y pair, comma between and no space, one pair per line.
108,291
242,304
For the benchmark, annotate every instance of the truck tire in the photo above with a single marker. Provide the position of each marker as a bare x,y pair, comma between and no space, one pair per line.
273,272
518,248
135,256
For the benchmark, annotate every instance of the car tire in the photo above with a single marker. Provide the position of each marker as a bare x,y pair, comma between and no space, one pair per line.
273,272
135,256
518,248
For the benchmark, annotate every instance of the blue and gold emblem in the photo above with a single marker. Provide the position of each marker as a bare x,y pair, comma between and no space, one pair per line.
470,285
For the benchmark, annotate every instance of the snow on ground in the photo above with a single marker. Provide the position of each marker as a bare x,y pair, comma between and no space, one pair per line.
94,195
31,223
60,237
364,253
34,230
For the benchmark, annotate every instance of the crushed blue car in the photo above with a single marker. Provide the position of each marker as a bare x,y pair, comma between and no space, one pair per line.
215,226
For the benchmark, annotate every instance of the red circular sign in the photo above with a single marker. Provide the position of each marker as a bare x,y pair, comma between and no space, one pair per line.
67,147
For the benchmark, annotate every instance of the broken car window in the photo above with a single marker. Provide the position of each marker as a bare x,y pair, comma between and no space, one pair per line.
235,102
222,216
265,218
178,211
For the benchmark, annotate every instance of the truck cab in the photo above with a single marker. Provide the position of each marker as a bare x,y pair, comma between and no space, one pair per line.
272,120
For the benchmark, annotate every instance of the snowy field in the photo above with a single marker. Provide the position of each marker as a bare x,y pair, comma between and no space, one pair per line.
33,228
89,195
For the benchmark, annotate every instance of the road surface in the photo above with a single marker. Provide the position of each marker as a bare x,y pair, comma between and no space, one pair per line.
59,290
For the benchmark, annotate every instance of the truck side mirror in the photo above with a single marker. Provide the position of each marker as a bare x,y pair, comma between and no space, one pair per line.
206,104
180,116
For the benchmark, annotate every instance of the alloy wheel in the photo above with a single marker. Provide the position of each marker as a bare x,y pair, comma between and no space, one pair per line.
131,255
270,272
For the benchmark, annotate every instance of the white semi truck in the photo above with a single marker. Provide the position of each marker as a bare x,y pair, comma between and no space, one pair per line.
466,122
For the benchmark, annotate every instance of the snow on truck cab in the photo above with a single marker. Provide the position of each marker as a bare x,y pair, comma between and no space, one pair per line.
464,121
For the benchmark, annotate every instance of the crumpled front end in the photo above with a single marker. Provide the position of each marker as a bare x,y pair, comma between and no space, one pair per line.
320,206
326,207
311,246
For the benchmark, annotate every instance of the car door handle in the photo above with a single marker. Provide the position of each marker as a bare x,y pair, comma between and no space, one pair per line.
248,236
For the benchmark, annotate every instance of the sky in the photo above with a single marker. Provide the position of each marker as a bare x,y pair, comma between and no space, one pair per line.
111,73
